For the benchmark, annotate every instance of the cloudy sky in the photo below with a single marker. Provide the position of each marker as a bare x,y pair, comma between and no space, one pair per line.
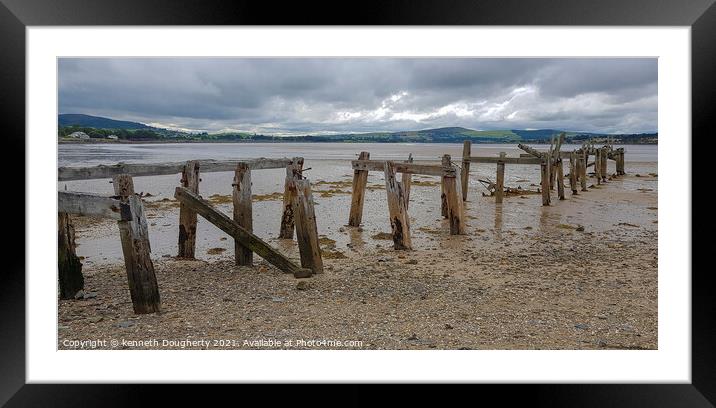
318,95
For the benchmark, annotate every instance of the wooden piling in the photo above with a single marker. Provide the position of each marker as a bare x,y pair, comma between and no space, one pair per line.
582,164
407,182
306,228
560,179
620,162
453,199
187,217
598,165
287,219
69,266
465,171
500,180
443,196
603,163
134,234
573,172
360,180
399,222
544,173
243,213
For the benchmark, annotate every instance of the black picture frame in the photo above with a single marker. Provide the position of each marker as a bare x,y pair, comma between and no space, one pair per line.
15,15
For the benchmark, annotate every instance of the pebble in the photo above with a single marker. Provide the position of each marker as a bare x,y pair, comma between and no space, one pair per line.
581,326
125,324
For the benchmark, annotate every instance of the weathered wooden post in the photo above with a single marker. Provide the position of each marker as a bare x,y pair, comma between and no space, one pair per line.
582,164
243,213
360,180
598,165
500,180
443,196
399,222
573,172
407,181
620,161
544,172
465,172
453,198
143,286
187,217
603,163
560,178
306,228
69,266
287,219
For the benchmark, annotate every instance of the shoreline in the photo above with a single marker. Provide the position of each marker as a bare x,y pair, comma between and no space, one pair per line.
524,277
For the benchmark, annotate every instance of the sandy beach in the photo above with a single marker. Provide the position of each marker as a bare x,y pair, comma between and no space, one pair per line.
579,274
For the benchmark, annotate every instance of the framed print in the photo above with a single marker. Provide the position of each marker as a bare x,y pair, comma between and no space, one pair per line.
404,194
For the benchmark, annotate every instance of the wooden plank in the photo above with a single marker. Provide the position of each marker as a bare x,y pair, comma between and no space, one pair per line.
465,172
598,166
187,217
399,221
407,183
143,287
544,174
306,228
360,181
500,180
506,160
69,267
243,213
453,199
158,169
91,204
293,170
247,238
379,165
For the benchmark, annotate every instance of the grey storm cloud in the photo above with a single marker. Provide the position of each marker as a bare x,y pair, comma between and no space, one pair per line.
329,95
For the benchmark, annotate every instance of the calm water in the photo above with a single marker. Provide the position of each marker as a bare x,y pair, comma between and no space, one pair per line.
330,162
93,154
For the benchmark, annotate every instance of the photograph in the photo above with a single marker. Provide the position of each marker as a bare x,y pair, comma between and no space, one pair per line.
357,203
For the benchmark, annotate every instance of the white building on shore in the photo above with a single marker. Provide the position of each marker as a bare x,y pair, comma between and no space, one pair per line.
79,135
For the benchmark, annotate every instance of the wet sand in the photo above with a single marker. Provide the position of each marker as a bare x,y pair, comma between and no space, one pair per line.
524,276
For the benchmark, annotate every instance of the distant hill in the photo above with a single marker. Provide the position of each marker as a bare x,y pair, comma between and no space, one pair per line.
98,122
100,128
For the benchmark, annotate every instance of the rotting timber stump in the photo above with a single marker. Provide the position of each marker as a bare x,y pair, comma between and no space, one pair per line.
465,171
247,238
306,227
134,234
360,181
243,213
399,221
407,182
453,198
500,180
187,217
287,218
69,266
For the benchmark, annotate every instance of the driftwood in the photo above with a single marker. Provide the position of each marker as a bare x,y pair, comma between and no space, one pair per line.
246,238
